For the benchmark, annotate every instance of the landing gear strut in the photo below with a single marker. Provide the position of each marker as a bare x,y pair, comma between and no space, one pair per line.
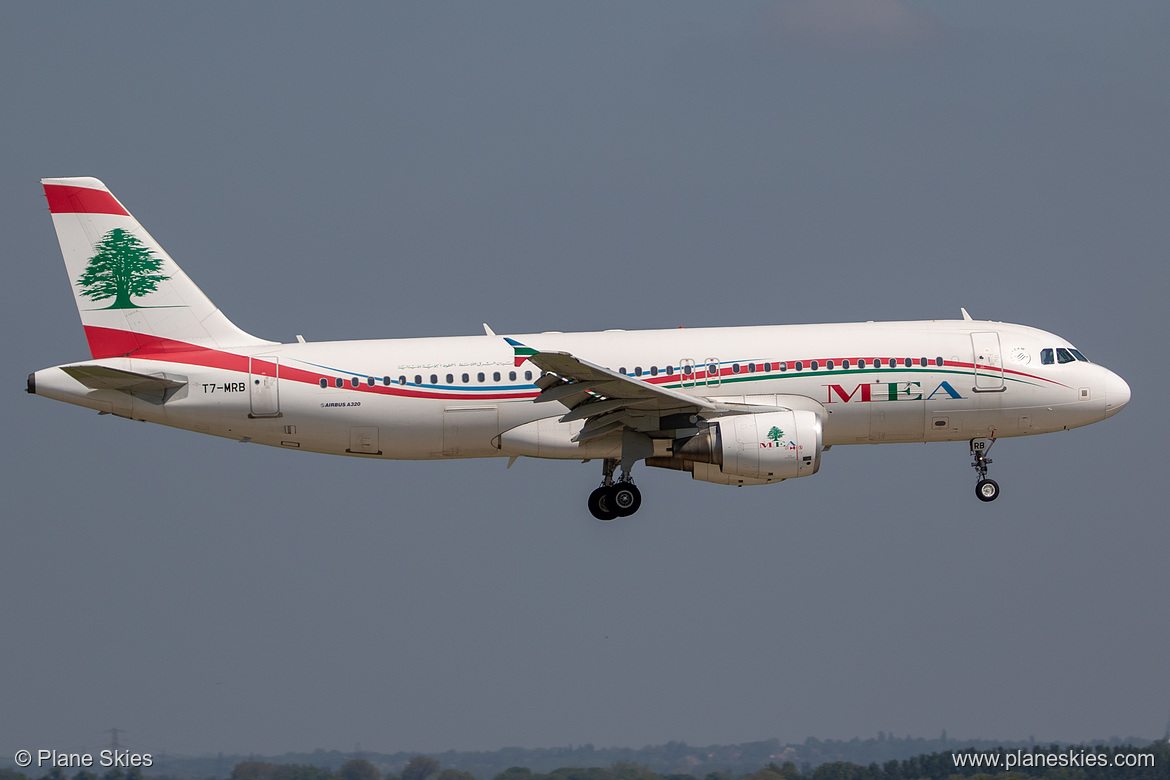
985,489
614,499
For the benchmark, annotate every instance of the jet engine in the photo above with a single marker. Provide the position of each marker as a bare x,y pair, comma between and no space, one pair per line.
750,449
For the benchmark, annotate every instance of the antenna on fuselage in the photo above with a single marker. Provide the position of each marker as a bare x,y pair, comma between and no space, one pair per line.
966,316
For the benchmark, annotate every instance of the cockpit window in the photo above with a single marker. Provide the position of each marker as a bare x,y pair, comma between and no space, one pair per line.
1046,357
1077,354
1064,356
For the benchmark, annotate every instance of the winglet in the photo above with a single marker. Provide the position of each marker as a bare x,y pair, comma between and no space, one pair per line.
520,352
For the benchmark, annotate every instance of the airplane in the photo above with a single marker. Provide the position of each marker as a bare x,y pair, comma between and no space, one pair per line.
731,405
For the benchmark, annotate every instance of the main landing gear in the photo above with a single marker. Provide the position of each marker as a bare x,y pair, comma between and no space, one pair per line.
985,489
614,499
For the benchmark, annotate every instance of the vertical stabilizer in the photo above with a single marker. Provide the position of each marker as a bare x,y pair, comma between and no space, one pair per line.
131,295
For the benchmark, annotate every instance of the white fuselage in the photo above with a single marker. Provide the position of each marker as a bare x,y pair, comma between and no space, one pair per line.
458,397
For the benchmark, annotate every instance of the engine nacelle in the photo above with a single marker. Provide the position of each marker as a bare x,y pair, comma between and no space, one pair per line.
771,445
751,449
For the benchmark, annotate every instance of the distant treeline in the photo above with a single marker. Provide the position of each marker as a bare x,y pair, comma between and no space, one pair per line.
672,758
939,765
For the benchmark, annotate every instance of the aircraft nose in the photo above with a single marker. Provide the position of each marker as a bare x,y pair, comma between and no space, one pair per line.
1116,393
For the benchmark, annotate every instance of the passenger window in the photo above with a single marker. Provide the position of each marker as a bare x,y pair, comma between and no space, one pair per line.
339,382
670,370
434,379
735,368
800,365
829,364
845,363
353,381
370,381
528,375
814,365
324,382
922,362
386,381
751,368
418,379
451,378
479,377
466,378
861,362
768,366
637,371
653,370
938,361
908,362
1064,356
1046,357
687,370
622,370
511,376
496,377
893,362
401,380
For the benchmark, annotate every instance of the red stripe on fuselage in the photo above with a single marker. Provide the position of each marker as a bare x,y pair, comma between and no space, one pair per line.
82,200
108,343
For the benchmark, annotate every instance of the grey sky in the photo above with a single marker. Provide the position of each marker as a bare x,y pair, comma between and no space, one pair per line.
360,170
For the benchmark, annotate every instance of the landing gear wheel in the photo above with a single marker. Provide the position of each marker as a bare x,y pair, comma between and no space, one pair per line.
987,490
600,504
625,498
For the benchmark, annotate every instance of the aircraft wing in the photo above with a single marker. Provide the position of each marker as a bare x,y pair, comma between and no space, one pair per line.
156,388
609,401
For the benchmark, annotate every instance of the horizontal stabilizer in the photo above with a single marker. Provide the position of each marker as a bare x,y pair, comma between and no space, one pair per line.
155,388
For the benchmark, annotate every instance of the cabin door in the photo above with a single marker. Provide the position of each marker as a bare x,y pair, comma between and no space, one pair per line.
263,390
988,362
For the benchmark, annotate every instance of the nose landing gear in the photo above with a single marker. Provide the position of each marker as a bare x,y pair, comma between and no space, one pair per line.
985,489
614,499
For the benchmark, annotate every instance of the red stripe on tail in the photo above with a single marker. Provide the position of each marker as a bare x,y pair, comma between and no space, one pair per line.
111,342
82,200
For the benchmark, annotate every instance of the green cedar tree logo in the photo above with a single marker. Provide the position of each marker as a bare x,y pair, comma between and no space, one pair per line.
122,267
775,434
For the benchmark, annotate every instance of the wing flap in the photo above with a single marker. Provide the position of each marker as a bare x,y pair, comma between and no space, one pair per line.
561,392
594,408
596,428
